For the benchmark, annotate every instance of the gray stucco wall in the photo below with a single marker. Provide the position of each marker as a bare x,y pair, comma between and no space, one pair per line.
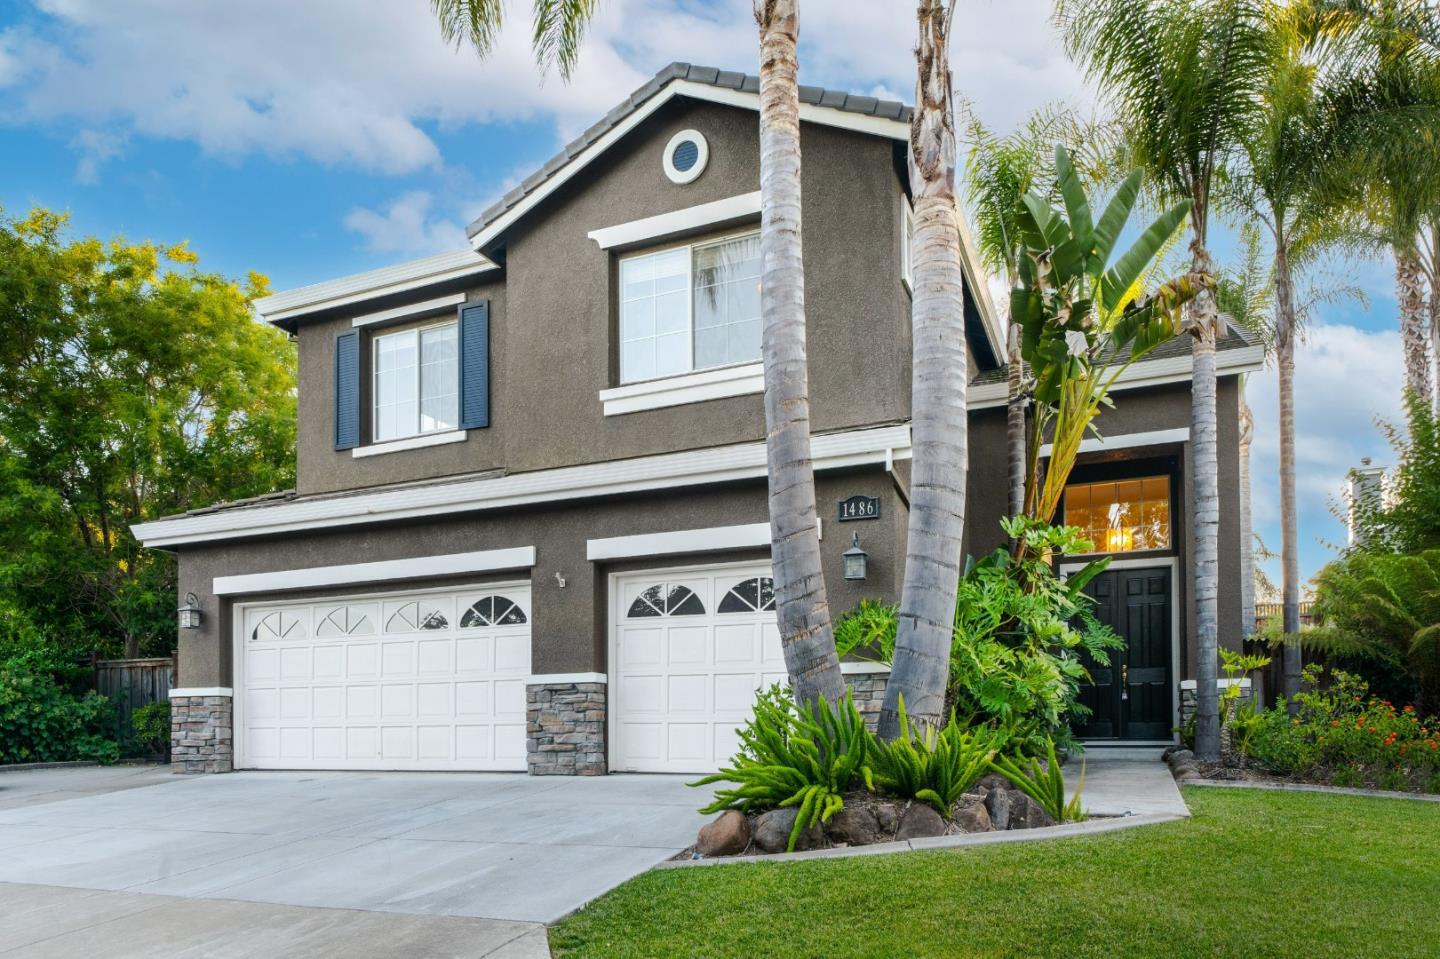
1137,411
569,625
553,314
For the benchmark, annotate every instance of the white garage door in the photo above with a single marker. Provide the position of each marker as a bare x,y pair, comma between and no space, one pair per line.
421,680
692,647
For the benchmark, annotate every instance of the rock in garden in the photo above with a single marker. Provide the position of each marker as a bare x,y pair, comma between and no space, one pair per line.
1026,813
973,818
888,819
920,821
997,804
1186,773
771,831
726,836
853,825
991,782
1180,757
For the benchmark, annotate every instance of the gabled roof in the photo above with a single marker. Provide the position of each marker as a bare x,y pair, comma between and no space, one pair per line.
884,118
895,117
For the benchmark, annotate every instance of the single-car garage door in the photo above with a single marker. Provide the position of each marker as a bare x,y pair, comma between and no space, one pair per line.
417,680
691,648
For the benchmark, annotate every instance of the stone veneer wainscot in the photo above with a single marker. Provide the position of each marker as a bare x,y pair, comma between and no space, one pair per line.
565,728
201,731
869,692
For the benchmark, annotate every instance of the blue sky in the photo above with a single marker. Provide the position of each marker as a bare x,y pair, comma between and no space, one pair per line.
308,140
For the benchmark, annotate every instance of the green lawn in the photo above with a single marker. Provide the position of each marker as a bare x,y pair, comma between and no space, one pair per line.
1254,873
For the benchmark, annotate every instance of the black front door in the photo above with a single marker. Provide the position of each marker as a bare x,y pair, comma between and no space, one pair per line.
1130,699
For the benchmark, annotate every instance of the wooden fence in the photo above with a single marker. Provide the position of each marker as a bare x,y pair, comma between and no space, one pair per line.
132,683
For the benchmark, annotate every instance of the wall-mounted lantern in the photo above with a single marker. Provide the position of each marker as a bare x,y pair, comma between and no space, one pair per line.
855,560
190,614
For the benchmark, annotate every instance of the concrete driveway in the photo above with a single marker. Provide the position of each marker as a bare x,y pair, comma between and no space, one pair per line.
507,848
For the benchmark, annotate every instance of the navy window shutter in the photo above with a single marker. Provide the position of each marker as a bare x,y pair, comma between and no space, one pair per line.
475,365
347,390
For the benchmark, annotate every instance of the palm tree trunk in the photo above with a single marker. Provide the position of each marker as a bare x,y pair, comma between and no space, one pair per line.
1289,511
1206,483
1410,293
801,605
1435,341
1015,423
937,485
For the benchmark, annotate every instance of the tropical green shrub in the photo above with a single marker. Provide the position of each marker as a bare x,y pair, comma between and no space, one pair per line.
1340,733
1044,783
1021,632
935,767
150,727
1380,615
40,721
792,756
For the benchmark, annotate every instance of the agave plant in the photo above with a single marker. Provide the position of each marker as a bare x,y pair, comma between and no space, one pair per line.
1085,315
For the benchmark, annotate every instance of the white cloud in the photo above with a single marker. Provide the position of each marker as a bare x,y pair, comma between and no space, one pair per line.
1345,378
406,226
96,147
332,80
358,83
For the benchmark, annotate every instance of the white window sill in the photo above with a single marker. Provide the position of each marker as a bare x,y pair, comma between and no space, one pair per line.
409,443
688,388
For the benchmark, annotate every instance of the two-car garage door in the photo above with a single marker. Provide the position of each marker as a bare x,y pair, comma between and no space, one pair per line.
422,680
436,679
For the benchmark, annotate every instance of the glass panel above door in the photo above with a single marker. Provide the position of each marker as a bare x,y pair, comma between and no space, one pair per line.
1121,516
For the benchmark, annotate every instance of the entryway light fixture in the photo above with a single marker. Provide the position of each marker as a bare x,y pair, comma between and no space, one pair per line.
855,560
190,614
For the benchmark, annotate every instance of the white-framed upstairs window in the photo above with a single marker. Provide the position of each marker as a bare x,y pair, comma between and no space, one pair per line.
690,308
416,382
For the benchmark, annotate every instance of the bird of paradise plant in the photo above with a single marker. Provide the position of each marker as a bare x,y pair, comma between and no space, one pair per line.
1084,320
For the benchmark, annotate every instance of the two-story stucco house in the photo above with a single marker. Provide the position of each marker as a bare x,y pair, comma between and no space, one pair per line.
529,529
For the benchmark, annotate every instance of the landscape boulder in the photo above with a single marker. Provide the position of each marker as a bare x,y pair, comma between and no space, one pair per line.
726,836
1026,813
973,818
920,821
997,804
854,825
887,816
771,831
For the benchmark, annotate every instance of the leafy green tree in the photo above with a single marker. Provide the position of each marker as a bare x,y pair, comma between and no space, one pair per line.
1380,67
132,385
1085,315
1185,79
999,171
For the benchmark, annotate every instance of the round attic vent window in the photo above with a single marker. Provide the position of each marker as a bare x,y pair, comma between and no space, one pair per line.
685,156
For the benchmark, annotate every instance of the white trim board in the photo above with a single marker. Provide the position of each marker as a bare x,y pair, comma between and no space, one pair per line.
1145,373
687,388
654,228
539,678
714,539
449,564
201,691
873,446
423,308
1125,441
409,443
359,287
863,669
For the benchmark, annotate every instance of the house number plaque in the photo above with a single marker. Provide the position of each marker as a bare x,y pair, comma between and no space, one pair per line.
859,507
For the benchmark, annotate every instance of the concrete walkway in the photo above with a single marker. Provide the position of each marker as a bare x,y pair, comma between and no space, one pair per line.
1126,781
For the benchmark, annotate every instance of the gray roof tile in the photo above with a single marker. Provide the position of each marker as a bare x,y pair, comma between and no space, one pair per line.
713,76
